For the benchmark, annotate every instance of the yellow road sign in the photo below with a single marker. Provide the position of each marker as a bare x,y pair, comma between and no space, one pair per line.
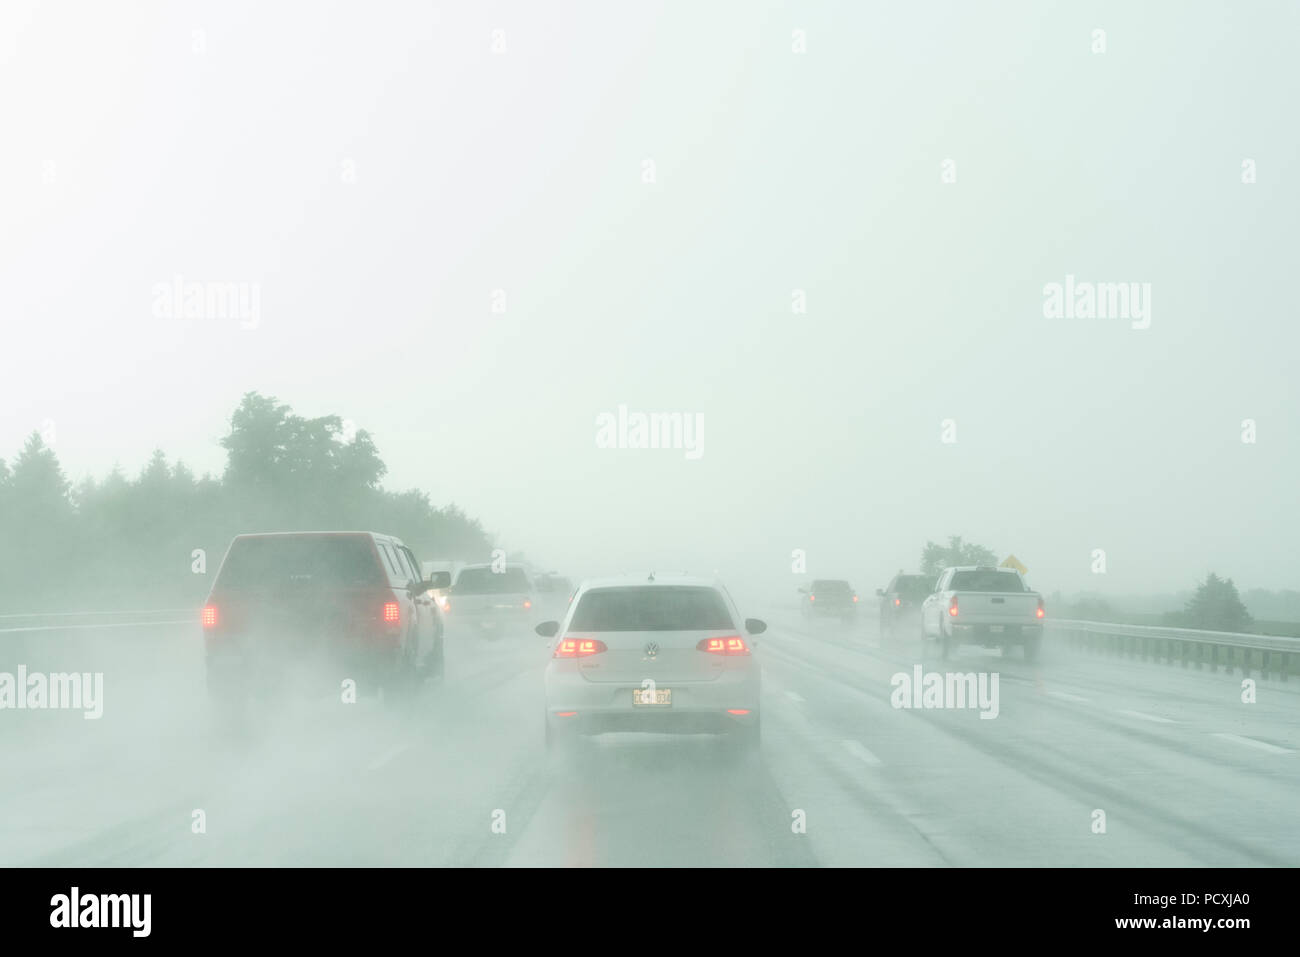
1012,562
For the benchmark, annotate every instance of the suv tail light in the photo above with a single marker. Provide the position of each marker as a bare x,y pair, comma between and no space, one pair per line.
730,645
392,612
1042,613
952,606
897,602
209,616
812,597
527,604
578,647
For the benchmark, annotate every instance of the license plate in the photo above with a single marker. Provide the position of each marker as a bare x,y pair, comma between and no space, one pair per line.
658,698
997,628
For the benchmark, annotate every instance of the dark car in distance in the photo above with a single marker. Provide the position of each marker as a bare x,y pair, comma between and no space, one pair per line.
829,598
349,603
900,604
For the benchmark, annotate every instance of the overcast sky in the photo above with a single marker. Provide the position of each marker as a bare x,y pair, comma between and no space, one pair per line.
377,170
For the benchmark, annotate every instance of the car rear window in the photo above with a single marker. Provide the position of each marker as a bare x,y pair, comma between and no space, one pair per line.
652,608
281,560
825,586
484,581
985,581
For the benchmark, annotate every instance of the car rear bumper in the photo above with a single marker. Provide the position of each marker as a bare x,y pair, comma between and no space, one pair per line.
609,704
646,721
241,666
832,611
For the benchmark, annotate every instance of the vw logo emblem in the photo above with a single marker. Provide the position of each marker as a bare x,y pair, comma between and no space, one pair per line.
651,649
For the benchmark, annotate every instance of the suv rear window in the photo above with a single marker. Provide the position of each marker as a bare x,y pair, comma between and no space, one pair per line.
484,581
342,560
652,608
985,581
826,586
914,586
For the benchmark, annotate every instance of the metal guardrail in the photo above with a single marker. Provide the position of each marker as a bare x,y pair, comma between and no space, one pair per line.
1266,655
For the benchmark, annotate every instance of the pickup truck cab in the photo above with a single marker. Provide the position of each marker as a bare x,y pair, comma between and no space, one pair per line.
983,605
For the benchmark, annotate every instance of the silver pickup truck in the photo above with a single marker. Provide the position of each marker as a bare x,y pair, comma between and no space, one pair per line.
983,605
491,599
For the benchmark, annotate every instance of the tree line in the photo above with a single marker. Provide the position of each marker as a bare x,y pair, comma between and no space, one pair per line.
160,536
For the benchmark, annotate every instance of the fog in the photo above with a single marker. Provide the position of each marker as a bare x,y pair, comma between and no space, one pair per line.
823,236
522,172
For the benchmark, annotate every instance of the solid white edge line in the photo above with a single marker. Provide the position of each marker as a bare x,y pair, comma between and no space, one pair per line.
117,624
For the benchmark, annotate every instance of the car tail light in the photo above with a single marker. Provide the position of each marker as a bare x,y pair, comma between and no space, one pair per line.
209,616
952,606
527,604
812,597
578,647
855,597
737,711
565,714
730,645
392,612
897,602
1041,612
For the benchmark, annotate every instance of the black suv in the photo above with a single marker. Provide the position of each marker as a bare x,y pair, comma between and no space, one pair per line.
830,598
900,604
353,603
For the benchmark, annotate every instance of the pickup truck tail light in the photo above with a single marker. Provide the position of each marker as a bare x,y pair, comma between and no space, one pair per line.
392,612
1041,612
952,606
209,616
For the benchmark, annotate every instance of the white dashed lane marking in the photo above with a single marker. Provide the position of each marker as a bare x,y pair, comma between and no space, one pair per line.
1252,743
1066,696
859,751
387,757
1148,717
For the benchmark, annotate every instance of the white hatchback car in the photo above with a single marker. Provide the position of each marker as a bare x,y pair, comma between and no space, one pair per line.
659,655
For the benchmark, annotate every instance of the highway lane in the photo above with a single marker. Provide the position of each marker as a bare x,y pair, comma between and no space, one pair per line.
1184,771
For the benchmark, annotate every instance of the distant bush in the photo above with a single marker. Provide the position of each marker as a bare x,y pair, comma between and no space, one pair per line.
1214,606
